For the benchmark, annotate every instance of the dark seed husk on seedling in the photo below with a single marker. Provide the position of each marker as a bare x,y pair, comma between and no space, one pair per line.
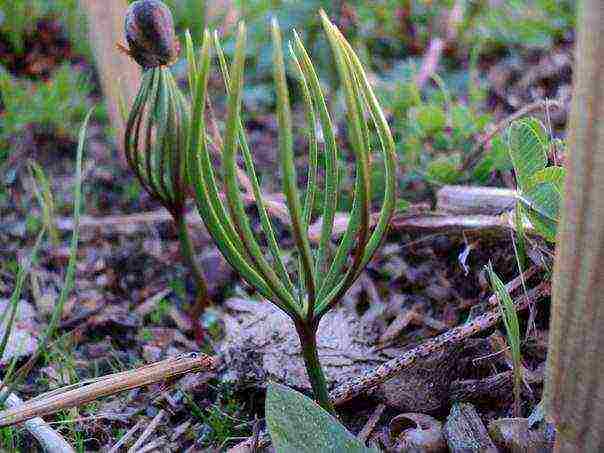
149,29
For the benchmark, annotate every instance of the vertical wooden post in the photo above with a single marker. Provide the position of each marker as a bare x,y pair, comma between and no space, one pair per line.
118,73
574,388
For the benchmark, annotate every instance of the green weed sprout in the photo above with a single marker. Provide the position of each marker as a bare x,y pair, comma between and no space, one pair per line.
512,328
320,282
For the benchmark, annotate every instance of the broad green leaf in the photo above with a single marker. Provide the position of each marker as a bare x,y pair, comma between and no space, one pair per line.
527,143
544,226
544,198
553,175
298,424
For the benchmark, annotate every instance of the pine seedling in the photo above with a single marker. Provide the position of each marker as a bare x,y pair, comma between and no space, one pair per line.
157,127
307,293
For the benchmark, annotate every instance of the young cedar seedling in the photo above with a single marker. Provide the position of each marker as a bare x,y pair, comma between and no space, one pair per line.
320,281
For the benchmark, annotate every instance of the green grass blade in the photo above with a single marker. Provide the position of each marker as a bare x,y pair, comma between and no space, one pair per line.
13,303
73,249
508,313
388,151
229,165
132,142
331,159
164,124
201,162
288,168
313,145
121,101
69,281
512,327
180,159
265,222
45,199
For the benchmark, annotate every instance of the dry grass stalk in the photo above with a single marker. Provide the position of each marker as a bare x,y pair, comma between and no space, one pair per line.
91,390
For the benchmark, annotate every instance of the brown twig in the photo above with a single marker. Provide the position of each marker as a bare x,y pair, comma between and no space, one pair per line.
473,156
433,222
148,431
471,200
371,423
384,372
94,389
128,222
154,445
126,437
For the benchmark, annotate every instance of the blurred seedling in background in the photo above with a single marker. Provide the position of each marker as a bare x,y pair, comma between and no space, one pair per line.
20,17
55,107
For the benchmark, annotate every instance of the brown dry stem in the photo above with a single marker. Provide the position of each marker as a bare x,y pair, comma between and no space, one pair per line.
87,391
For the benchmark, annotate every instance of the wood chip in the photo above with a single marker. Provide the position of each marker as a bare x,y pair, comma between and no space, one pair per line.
465,432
